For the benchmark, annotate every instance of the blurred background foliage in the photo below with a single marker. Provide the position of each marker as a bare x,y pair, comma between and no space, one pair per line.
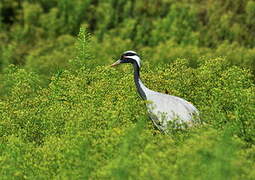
64,114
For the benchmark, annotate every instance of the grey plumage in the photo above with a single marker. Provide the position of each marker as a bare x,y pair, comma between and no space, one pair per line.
163,109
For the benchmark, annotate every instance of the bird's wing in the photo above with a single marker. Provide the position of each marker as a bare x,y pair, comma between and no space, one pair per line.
164,108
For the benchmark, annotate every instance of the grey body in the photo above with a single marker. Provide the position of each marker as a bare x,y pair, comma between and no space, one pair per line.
166,109
163,109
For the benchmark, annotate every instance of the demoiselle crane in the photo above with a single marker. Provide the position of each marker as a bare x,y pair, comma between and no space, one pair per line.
163,109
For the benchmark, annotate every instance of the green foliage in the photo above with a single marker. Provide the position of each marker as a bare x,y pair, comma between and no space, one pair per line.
65,114
83,55
179,24
48,58
85,125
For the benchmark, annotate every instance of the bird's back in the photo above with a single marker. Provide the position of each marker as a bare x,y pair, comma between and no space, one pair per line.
165,108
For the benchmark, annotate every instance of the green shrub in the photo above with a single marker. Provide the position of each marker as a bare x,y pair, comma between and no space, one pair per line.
48,57
179,25
91,123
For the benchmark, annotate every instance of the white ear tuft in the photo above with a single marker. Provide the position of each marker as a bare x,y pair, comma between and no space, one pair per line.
138,60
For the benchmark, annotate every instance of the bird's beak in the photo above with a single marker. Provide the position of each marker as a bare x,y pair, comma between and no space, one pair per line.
116,63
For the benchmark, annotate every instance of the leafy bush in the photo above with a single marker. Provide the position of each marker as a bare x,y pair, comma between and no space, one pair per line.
179,24
91,123
51,56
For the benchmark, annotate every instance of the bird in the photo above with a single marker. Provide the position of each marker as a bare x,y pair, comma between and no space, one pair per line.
164,110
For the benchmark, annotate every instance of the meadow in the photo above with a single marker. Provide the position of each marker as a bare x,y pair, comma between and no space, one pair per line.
65,114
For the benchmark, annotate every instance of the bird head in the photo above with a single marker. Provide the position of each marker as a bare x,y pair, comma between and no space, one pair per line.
128,57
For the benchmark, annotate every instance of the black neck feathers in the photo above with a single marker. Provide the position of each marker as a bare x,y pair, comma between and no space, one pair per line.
138,81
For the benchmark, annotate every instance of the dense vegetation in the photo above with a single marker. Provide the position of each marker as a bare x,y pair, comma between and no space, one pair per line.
64,114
